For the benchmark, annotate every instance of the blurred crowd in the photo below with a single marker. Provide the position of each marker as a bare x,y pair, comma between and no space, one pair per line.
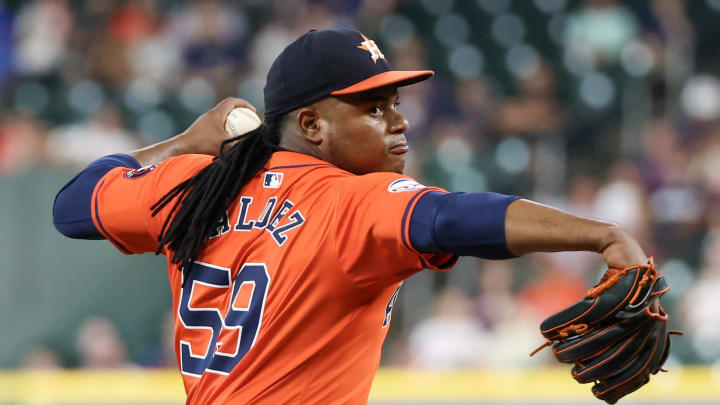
604,108
99,344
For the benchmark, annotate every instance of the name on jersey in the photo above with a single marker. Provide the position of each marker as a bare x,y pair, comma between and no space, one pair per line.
278,223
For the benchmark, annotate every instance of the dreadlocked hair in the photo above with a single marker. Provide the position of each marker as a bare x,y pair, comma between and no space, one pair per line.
201,200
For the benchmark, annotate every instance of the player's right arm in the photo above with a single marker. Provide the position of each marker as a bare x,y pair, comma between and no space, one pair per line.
494,226
533,227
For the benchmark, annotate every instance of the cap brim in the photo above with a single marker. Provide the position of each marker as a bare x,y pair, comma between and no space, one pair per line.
396,77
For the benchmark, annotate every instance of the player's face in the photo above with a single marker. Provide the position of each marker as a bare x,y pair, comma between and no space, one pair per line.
366,132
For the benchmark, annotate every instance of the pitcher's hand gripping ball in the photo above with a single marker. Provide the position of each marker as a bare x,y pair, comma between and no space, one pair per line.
240,121
617,334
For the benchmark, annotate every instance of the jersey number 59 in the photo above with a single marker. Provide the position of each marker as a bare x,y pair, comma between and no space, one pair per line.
246,319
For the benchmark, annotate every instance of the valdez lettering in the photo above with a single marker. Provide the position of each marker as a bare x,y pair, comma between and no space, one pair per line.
276,222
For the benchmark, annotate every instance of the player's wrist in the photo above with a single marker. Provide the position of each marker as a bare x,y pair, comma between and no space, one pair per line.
609,235
621,249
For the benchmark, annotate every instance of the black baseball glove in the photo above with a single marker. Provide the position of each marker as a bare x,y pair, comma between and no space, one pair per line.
617,334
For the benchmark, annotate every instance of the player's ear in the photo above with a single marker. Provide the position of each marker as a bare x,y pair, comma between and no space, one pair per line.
310,124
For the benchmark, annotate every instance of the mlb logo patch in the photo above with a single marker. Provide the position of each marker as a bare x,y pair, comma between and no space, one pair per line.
272,180
400,185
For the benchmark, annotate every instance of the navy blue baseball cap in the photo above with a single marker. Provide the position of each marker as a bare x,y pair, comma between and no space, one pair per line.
329,62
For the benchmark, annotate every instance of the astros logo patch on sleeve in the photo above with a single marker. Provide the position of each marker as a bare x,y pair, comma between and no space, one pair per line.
134,174
400,185
272,180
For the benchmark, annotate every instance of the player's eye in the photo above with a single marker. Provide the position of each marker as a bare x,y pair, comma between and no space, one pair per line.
376,110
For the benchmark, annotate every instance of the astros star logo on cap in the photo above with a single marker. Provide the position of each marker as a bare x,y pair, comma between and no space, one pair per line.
370,46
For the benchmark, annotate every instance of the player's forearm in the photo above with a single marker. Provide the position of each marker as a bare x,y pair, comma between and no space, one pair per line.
205,136
533,227
160,151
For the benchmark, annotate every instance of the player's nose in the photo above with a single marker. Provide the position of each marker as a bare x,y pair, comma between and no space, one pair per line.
399,124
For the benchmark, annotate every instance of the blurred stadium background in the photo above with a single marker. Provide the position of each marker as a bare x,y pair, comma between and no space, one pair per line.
605,108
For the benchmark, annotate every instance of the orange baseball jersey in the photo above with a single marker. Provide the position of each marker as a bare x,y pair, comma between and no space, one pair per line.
291,298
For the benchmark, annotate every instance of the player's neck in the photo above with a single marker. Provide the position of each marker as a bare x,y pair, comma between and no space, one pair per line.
299,145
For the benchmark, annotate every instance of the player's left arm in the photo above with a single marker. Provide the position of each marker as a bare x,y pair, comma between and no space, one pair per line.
204,136
72,207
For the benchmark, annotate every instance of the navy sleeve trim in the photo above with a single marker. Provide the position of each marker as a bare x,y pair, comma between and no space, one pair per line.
104,231
465,224
71,209
404,221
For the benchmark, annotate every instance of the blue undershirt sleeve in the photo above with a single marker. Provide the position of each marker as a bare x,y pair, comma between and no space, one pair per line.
71,209
465,224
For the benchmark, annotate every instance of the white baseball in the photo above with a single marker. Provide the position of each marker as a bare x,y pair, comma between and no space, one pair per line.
240,121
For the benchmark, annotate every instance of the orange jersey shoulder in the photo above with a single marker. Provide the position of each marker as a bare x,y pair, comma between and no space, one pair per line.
121,201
